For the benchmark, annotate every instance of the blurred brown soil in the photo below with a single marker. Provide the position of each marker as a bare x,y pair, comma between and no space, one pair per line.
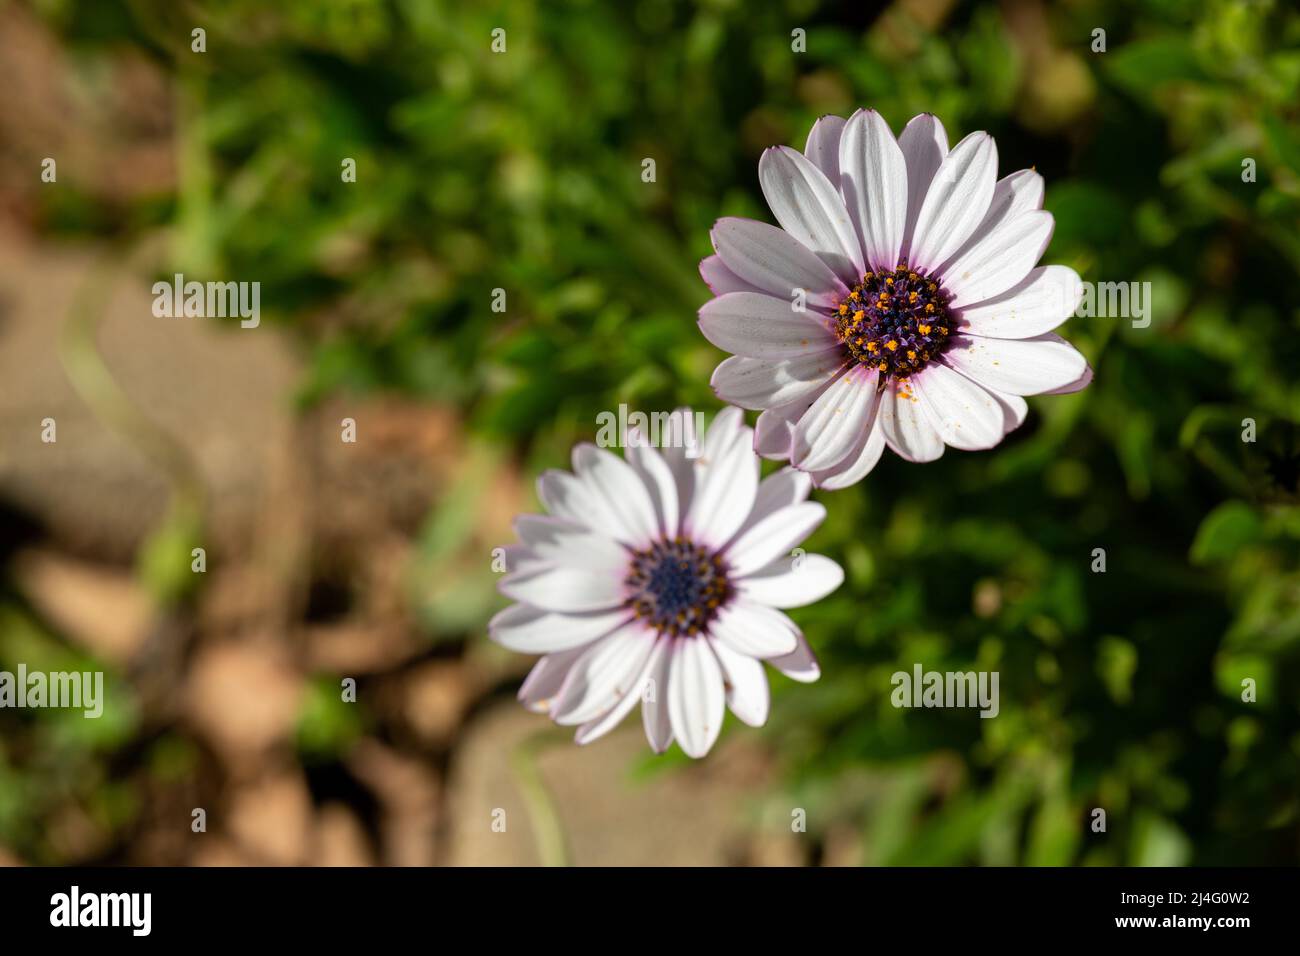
311,550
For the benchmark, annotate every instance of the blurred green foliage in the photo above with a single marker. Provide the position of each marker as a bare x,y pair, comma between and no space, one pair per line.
522,171
55,755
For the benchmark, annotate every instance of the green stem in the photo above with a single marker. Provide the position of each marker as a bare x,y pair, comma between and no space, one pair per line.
92,379
548,831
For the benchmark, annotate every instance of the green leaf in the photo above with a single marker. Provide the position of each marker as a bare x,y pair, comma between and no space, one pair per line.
1225,531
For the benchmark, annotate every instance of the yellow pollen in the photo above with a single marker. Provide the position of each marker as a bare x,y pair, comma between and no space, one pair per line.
923,329
844,308
858,315
871,346
891,345
911,355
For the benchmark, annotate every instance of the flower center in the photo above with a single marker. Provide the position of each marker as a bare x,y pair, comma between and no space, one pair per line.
676,587
895,322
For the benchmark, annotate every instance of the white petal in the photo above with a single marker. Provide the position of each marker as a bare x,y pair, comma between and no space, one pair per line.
773,261
792,581
603,675
774,536
1079,384
686,434
544,681
747,691
566,589
774,433
532,630
965,415
517,557
871,444
722,280
602,725
726,482
658,479
696,697
625,495
721,433
1000,259
753,629
1017,366
564,542
778,490
829,431
956,201
924,144
823,148
654,700
1014,410
764,383
1020,192
774,430
801,664
906,428
809,207
566,496
1038,303
873,178
760,326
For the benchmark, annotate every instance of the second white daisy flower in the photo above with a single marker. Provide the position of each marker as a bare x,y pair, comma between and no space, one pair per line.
659,580
897,305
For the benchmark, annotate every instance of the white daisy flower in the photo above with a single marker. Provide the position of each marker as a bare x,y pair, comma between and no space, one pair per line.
658,579
899,303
